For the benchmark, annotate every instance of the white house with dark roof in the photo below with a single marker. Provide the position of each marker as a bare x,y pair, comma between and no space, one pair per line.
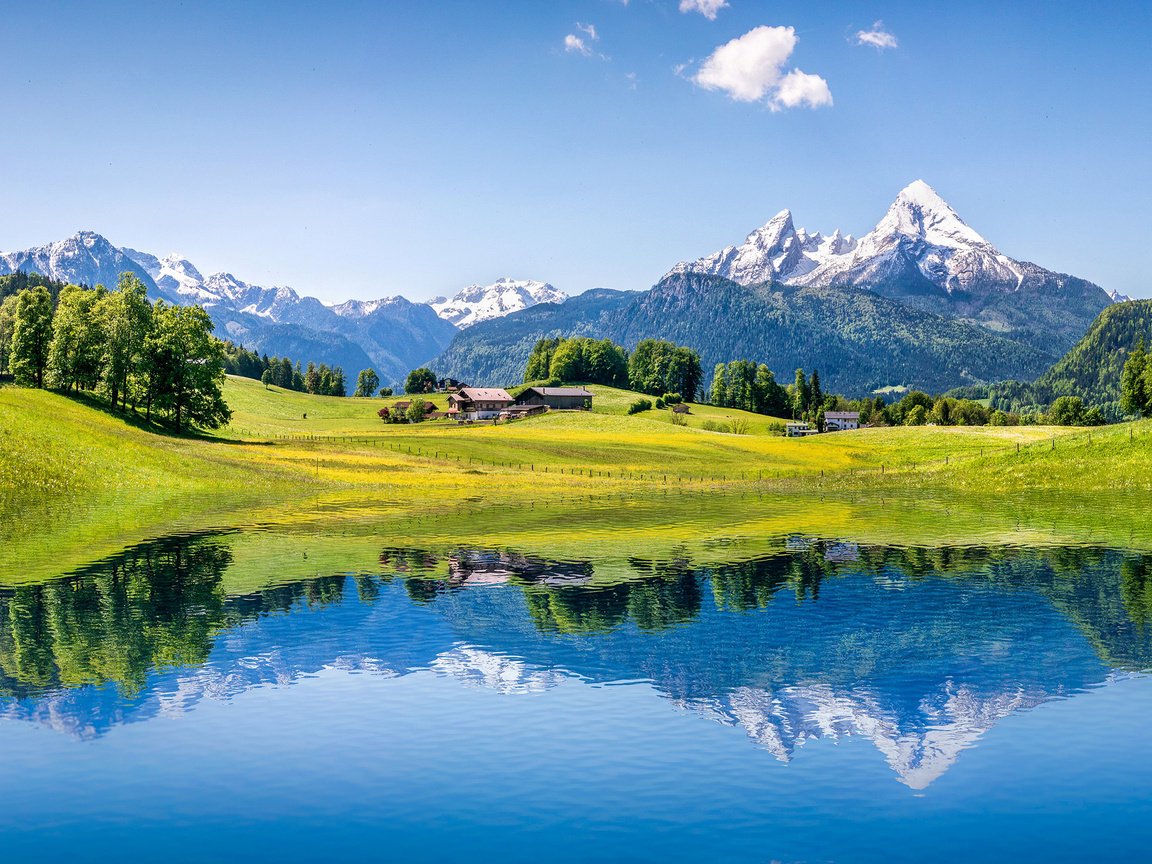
841,421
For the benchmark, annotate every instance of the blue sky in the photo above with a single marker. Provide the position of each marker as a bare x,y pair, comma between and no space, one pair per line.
363,149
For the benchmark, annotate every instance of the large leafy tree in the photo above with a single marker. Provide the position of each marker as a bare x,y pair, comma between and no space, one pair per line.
422,380
76,352
367,382
1135,381
31,336
7,323
125,318
185,366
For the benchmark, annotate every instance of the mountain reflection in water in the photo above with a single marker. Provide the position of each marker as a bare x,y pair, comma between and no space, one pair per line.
920,651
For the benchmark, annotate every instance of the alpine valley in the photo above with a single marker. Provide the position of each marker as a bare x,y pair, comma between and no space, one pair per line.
922,301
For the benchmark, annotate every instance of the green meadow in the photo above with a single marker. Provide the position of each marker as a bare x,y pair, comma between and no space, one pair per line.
93,482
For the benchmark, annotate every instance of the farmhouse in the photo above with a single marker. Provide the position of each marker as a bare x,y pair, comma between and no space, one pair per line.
557,398
797,429
478,403
841,421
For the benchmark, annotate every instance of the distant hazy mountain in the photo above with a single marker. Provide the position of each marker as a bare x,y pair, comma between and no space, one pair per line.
924,255
484,302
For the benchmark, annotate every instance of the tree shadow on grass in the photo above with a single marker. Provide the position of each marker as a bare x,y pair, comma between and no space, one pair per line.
132,417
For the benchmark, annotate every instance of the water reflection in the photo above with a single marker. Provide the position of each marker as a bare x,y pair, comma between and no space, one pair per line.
921,651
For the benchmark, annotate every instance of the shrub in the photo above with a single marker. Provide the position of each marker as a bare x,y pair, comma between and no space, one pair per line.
738,426
998,418
383,414
640,405
672,399
679,420
712,426
659,404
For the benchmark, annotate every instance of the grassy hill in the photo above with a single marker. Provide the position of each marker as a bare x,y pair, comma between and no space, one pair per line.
93,482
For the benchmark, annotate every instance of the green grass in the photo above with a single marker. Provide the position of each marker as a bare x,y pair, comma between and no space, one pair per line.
93,482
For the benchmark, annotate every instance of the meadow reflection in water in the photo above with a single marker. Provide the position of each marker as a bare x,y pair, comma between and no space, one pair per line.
920,651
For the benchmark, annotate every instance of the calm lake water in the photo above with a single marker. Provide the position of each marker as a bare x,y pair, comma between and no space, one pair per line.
813,699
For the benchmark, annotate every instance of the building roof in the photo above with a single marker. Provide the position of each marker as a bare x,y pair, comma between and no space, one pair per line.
560,391
484,394
841,415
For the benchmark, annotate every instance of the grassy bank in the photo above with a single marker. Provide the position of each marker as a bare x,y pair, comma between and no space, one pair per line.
92,482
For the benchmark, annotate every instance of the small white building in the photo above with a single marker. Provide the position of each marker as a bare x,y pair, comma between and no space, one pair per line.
841,421
798,429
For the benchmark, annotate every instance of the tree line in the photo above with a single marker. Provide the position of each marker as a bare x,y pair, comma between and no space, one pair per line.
158,357
282,372
655,367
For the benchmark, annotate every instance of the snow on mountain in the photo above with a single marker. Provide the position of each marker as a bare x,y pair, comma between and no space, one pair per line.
483,302
920,238
174,274
86,258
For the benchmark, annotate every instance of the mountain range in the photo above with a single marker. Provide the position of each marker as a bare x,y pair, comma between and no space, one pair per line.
392,334
922,300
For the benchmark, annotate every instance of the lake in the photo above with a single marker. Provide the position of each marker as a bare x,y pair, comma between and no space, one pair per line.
667,688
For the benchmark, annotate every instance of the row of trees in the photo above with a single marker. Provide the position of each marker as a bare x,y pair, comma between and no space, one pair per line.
578,358
315,380
117,343
656,366
747,386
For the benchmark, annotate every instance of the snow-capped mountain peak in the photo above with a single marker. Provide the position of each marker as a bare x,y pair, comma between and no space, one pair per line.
921,247
921,214
482,302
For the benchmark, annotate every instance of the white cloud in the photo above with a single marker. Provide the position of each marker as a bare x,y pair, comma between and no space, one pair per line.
573,44
707,8
877,37
751,69
749,66
590,30
798,89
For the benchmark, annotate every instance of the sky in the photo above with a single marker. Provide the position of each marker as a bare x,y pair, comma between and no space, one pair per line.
368,149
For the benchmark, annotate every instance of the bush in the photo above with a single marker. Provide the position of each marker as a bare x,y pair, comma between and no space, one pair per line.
385,391
776,428
679,420
738,426
998,418
659,404
384,414
672,399
713,426
640,405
